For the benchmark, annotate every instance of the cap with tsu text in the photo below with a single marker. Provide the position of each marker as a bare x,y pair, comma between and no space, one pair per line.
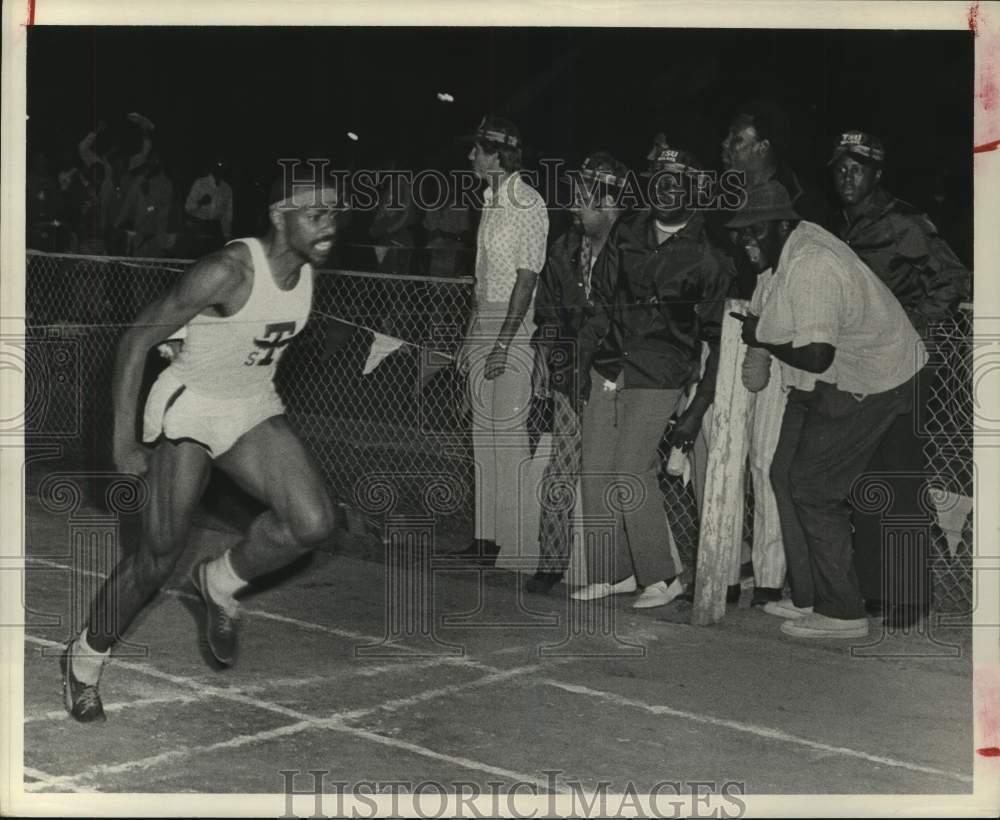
861,146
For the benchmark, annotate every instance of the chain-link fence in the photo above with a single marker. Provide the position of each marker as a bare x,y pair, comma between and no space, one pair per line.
401,424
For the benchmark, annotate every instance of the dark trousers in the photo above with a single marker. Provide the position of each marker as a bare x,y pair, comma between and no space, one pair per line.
893,566
826,442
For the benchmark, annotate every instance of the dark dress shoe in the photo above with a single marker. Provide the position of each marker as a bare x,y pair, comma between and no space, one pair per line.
478,552
763,595
733,593
902,617
874,607
542,582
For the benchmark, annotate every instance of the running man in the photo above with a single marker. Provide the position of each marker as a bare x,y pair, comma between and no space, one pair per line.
216,402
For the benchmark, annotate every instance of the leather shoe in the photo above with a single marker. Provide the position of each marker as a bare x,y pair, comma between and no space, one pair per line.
542,582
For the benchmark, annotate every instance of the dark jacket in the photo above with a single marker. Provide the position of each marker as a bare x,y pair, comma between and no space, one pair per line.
560,309
654,304
903,248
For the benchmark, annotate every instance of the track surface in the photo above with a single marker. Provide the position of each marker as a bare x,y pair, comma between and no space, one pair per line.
648,699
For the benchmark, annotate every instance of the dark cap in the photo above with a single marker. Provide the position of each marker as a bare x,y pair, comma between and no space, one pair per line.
861,146
496,129
604,168
663,157
767,202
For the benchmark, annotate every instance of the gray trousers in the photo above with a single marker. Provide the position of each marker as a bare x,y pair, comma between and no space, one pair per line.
624,521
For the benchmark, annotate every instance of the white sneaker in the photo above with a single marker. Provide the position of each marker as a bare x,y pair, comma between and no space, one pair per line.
592,592
659,594
786,609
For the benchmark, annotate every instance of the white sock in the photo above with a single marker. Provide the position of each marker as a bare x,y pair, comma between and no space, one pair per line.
86,661
223,582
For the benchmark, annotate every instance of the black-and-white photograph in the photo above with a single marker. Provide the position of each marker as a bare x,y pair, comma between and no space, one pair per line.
476,419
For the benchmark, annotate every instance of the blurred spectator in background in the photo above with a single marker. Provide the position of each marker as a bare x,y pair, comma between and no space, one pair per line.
448,232
44,231
145,128
146,211
209,209
114,191
395,223
90,224
902,246
88,149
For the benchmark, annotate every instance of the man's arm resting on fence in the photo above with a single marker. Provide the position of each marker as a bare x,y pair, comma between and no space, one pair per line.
213,281
517,308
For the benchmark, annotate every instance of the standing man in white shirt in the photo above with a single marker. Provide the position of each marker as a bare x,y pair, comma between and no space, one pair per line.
497,355
849,359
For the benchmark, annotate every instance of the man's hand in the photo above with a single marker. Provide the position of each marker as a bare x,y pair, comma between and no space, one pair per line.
688,426
750,323
496,362
131,458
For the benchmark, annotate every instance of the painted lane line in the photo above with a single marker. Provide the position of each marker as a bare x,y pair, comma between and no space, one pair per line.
62,714
303,722
764,732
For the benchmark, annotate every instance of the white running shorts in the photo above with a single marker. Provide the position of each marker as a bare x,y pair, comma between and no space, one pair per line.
175,412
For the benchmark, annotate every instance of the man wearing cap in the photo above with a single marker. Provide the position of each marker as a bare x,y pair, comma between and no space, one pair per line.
848,357
564,291
758,138
497,355
657,295
903,248
215,403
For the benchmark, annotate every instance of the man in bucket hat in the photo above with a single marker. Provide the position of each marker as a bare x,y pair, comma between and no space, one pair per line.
564,295
497,356
658,291
903,248
848,357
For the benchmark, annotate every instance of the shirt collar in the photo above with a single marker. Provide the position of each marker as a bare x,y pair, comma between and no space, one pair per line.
491,196
690,230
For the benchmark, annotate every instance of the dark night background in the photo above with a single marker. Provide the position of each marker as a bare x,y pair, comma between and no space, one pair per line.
258,93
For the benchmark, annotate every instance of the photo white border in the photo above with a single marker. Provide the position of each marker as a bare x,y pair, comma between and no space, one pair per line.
846,14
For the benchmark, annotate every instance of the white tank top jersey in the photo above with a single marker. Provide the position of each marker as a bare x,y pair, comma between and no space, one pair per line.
236,356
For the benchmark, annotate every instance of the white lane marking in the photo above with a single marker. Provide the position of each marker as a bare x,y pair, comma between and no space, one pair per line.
761,731
62,714
764,732
303,722
41,778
